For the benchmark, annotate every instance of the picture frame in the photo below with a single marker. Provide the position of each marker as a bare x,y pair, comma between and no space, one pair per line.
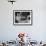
22,17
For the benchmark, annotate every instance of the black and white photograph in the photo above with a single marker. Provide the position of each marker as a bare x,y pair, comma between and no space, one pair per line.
22,17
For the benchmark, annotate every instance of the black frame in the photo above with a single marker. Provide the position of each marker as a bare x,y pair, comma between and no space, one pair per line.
23,24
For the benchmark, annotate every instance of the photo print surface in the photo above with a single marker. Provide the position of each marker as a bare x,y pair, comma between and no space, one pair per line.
22,17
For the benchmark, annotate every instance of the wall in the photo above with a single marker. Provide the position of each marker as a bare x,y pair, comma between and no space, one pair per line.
38,30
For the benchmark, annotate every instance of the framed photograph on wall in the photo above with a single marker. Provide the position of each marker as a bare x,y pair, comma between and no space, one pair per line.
22,17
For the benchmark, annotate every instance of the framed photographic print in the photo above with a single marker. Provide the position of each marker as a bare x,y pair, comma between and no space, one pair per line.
22,17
